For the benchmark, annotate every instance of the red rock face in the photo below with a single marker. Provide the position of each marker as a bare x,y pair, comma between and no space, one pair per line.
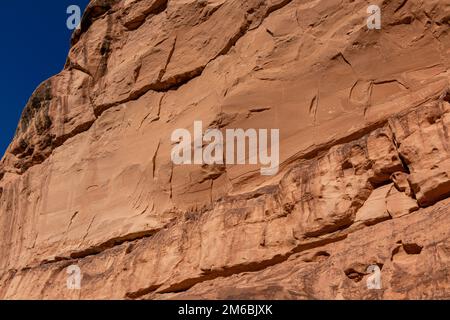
364,175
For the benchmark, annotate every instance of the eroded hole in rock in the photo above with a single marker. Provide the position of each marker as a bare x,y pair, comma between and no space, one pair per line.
318,257
354,275
406,249
321,256
405,163
347,165
359,271
347,168
130,248
412,248
447,96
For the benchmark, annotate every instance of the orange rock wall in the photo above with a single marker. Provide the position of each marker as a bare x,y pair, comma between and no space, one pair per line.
364,118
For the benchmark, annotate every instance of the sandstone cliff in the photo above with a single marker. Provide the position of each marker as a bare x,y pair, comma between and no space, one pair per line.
364,118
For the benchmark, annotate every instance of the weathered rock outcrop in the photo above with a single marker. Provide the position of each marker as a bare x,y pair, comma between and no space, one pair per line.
364,118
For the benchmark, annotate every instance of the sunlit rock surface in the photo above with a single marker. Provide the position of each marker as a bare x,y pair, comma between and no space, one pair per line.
364,119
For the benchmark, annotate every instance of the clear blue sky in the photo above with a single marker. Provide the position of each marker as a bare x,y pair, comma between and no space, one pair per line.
35,42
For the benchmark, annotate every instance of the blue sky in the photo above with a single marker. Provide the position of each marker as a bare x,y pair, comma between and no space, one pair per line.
35,43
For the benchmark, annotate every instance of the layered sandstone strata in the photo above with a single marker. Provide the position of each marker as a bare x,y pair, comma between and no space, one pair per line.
364,148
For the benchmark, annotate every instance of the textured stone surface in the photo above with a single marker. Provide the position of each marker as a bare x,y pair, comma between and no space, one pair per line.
364,148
